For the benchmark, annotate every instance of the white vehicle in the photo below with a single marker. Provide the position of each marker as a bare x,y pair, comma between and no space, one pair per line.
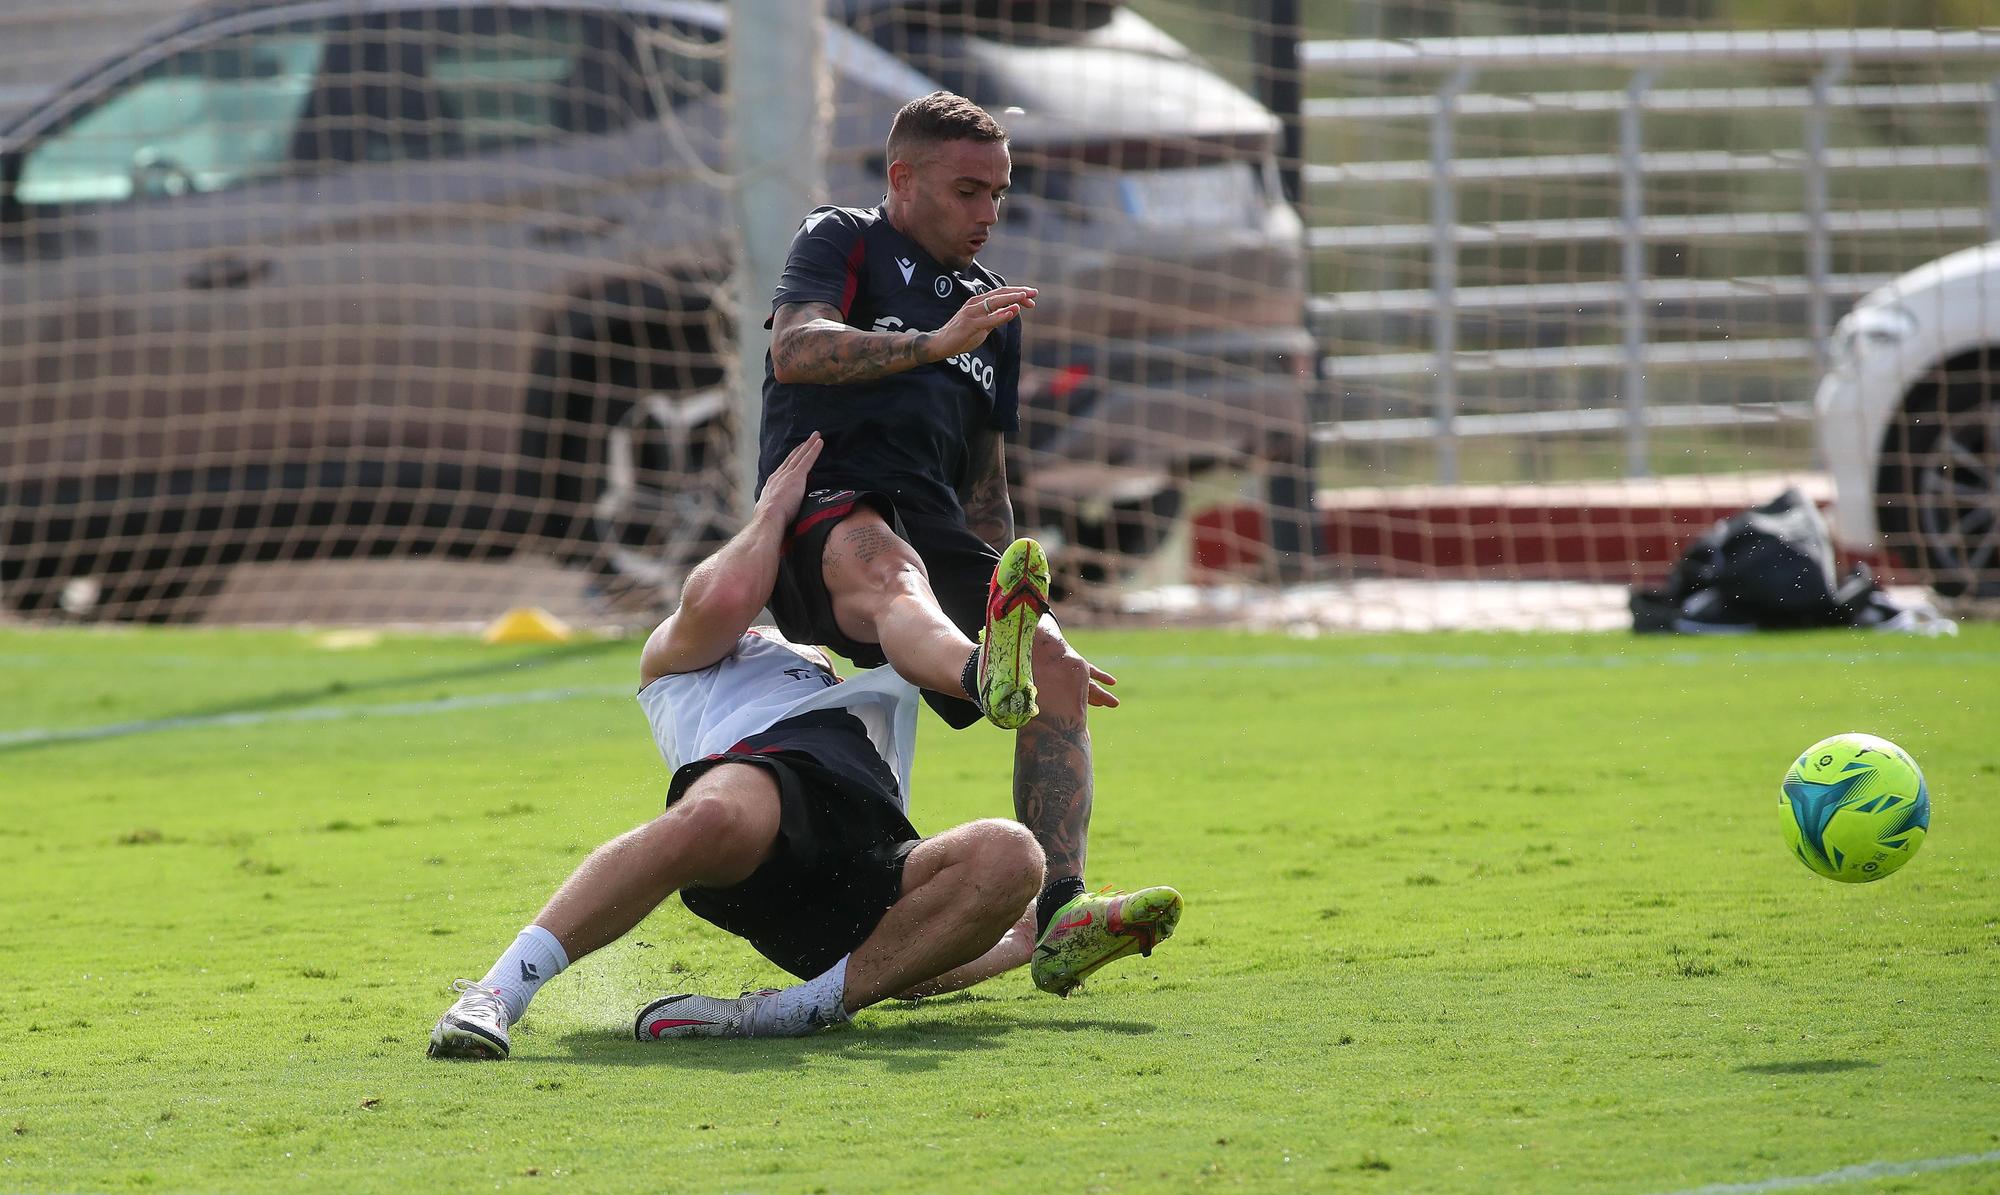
1909,421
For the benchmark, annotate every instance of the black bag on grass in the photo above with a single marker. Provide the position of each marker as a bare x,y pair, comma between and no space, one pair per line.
1769,568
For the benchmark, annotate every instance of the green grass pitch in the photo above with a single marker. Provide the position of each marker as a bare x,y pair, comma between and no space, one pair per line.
1464,913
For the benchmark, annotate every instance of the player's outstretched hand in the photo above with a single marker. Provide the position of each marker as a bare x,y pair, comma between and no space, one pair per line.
786,487
981,314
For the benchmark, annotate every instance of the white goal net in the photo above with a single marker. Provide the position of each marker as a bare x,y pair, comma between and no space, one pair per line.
1352,315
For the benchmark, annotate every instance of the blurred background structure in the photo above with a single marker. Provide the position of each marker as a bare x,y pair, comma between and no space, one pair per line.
1354,314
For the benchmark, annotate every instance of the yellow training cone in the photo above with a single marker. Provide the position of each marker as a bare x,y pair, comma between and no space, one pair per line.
528,624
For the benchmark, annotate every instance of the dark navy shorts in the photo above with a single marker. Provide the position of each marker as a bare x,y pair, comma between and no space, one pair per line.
837,865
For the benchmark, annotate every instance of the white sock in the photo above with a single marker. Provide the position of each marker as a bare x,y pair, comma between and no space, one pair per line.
803,1007
535,958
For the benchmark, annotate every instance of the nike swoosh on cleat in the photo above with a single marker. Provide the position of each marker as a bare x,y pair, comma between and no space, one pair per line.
659,1027
1076,923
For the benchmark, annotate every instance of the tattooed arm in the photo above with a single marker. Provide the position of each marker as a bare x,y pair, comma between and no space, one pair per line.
810,342
989,510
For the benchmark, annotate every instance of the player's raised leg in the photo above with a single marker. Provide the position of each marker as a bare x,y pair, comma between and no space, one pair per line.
962,890
716,835
881,593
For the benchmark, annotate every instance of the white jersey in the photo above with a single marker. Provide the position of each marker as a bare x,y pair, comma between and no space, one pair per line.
765,681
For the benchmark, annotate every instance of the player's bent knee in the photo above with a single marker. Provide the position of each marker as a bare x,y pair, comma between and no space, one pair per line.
995,857
1009,859
729,821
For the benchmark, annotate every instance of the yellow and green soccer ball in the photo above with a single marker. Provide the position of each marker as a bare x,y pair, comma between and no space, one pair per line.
1856,807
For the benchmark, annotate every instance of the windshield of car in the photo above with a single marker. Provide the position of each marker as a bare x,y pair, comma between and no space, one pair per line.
198,121
414,85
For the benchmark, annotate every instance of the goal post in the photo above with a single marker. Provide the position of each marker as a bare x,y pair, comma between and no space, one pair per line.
779,108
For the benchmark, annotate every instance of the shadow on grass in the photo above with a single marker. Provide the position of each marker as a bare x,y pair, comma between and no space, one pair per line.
898,1047
311,695
1807,1066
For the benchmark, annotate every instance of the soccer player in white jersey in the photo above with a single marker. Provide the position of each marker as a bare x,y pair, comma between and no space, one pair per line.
785,825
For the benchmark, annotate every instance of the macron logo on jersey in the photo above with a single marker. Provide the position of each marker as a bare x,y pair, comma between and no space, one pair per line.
908,267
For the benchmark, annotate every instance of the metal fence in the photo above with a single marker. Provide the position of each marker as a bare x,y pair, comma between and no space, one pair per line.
1588,125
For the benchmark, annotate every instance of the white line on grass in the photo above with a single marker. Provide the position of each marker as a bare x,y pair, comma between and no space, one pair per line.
35,736
1846,1174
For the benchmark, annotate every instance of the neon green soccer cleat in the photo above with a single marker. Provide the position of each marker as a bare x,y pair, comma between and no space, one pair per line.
1102,927
1016,599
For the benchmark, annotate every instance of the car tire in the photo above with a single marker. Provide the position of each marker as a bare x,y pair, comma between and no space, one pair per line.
626,447
1937,490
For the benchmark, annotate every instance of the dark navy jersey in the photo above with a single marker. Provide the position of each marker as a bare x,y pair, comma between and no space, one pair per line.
908,435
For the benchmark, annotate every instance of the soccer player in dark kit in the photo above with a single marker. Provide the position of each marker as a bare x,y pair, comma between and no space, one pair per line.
891,342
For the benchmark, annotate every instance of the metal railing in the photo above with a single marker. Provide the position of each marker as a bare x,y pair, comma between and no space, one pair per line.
1621,294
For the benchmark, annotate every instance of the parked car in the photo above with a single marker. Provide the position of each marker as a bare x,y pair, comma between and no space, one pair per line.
388,276
1909,422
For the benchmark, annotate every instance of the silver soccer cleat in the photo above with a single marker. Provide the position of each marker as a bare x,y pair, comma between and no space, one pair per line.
475,1026
689,1015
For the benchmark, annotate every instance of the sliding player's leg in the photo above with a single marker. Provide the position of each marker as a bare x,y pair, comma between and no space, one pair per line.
960,892
717,834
